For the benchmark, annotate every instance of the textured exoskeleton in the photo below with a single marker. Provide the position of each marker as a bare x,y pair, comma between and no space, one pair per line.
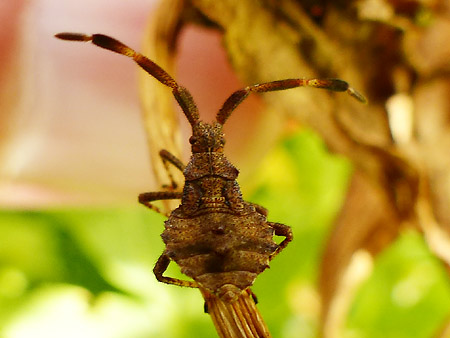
217,238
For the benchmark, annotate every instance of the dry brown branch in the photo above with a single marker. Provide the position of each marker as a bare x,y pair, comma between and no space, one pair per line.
159,115
238,319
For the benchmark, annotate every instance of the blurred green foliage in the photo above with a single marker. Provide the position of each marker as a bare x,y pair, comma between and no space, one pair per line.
88,273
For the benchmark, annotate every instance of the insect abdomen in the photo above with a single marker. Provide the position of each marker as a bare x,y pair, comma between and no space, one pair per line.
218,249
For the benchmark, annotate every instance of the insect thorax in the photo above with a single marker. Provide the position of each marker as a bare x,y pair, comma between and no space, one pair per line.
209,164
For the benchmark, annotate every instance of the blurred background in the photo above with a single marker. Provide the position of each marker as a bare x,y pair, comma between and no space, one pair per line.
364,187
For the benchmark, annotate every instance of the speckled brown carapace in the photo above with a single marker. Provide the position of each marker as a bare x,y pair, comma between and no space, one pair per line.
217,239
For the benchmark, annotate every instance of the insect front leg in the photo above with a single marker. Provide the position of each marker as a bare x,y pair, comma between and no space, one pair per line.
147,197
281,230
161,266
259,209
167,158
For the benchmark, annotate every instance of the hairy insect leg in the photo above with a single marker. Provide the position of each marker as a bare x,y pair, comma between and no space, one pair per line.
161,266
259,209
147,197
167,158
281,230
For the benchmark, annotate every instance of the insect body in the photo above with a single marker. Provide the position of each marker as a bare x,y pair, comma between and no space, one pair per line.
219,240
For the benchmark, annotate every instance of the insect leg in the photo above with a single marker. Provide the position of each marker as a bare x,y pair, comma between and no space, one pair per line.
281,230
259,209
161,266
167,158
147,197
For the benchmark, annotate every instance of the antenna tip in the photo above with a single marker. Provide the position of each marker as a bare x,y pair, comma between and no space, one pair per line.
73,37
357,95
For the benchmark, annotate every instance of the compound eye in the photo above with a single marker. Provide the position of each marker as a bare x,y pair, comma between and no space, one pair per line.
192,139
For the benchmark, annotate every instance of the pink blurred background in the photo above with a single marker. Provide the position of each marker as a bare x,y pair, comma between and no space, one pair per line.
70,128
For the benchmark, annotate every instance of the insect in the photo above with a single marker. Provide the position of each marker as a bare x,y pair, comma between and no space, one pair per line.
217,238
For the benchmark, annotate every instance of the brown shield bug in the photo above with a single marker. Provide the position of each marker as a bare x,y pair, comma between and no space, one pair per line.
217,238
